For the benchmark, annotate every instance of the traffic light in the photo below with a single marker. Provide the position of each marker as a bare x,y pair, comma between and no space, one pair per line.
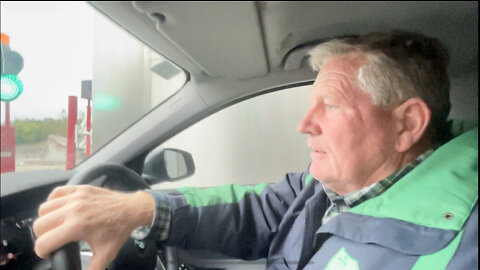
11,65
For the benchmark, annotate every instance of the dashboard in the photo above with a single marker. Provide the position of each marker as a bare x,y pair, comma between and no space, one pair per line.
16,251
21,196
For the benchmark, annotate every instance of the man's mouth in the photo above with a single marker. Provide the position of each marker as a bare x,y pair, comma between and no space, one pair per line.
317,153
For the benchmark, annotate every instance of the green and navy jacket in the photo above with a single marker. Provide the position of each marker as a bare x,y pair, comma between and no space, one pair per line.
427,220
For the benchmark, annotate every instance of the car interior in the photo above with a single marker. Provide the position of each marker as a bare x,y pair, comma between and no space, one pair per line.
231,52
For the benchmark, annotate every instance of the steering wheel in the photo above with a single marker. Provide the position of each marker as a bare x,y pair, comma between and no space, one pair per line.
68,256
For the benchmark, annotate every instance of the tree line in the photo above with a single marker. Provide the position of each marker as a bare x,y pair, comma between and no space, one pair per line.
29,131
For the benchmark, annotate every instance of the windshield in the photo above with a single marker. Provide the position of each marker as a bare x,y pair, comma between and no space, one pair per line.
71,81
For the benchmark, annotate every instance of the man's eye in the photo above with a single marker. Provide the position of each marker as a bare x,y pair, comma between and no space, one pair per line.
329,106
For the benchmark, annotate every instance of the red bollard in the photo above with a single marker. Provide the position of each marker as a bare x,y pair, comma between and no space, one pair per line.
89,128
72,122
7,145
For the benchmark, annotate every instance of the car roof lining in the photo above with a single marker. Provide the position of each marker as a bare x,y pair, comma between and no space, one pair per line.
252,48
234,49
288,24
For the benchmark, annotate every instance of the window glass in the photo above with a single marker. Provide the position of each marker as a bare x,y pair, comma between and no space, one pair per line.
250,142
67,47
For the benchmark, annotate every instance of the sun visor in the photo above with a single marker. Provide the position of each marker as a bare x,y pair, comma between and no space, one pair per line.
221,38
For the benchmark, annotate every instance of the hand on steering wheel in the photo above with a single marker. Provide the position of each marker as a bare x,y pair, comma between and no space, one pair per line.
102,217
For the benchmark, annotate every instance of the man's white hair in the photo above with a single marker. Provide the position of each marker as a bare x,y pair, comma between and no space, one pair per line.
377,76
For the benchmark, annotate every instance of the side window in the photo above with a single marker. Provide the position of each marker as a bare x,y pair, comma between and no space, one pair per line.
251,142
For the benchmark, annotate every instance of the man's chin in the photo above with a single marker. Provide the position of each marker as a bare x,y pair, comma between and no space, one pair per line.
318,171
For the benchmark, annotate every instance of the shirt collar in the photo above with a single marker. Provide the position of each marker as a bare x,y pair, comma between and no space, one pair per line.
356,197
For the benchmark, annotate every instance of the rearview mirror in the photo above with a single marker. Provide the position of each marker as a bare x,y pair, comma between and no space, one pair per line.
165,164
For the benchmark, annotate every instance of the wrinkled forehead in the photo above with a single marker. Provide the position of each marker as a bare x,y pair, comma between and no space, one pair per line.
338,75
346,65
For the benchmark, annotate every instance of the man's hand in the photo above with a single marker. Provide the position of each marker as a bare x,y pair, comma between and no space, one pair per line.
102,217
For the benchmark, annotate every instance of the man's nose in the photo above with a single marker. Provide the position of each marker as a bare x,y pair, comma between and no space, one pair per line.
308,124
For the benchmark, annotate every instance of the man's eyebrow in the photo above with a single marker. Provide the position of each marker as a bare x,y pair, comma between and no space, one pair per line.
323,96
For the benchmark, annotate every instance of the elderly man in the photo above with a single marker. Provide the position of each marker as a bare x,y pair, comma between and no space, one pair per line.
383,190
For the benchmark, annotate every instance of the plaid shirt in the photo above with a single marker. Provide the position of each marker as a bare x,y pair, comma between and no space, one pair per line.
344,203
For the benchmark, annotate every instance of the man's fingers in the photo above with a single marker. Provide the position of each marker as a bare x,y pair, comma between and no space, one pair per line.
55,239
103,256
99,261
48,222
51,205
61,191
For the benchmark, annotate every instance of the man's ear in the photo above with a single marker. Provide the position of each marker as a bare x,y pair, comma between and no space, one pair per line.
412,119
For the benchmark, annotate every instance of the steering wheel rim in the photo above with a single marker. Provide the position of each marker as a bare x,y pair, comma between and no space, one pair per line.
68,256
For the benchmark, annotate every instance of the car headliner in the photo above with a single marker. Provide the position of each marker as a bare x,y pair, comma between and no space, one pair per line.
235,50
243,40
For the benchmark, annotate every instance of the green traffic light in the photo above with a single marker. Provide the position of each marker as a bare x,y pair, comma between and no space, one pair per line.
11,87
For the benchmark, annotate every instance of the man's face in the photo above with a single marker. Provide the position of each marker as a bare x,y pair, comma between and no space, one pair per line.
352,140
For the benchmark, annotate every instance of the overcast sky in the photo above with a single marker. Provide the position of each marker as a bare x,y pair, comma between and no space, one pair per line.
55,40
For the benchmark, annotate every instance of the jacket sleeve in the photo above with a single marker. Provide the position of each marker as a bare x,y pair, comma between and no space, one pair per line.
235,220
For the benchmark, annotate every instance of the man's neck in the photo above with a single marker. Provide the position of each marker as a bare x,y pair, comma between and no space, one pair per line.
392,165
